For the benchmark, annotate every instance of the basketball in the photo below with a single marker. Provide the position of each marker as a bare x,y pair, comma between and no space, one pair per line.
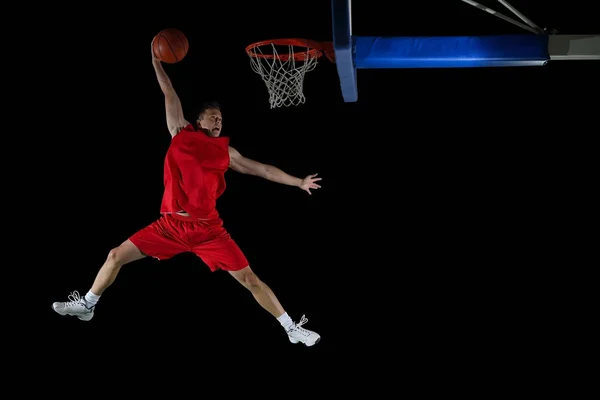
170,45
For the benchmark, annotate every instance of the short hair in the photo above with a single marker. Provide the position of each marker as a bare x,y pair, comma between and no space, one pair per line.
208,105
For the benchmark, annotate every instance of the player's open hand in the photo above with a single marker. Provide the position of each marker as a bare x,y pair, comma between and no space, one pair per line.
309,183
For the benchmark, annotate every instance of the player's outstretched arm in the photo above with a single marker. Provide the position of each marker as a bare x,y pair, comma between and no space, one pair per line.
174,110
245,165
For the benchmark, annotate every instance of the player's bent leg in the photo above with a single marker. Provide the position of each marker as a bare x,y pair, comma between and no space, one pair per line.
83,308
124,254
267,299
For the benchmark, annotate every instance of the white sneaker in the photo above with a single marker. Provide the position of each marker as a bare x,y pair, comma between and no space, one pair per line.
76,307
298,334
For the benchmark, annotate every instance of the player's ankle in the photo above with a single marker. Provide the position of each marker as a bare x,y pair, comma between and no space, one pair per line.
285,321
91,299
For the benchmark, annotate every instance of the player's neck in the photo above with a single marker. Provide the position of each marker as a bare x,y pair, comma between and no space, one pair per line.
206,132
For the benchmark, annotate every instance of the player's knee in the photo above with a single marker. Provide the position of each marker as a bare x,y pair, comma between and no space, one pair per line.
251,281
116,257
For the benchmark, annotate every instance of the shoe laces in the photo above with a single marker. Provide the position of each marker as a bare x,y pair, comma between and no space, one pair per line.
298,326
74,299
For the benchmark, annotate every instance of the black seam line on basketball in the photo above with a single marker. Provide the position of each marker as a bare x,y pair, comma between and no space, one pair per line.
173,51
182,43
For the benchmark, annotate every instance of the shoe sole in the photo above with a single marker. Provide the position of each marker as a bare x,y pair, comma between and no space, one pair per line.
307,345
69,315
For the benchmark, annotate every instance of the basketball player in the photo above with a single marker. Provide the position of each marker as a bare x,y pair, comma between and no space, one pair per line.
194,169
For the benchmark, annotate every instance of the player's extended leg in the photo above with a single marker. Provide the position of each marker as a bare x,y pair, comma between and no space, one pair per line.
267,299
213,244
260,290
83,307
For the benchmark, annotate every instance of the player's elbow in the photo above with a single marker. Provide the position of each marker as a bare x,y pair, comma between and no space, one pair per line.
265,172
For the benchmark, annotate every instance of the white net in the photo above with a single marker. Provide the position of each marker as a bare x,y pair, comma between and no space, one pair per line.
283,72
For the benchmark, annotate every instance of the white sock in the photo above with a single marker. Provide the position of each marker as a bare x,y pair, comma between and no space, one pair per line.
91,299
285,321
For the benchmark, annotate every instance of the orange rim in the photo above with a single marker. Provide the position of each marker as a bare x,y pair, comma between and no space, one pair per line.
313,49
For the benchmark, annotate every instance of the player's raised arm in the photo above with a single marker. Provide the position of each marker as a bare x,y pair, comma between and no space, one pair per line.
175,118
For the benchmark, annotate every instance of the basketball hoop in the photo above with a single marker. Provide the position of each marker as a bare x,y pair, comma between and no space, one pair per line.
282,64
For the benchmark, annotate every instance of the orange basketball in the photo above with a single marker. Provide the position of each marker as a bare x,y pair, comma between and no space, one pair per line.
170,45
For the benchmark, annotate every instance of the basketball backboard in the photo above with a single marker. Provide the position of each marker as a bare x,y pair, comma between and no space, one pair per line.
356,52
283,63
341,12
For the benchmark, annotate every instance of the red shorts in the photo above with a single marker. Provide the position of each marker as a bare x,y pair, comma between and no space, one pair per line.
172,234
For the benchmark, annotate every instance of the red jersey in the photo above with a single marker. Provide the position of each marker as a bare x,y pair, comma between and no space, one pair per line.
194,173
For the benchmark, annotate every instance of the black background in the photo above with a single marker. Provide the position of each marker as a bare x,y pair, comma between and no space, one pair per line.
438,185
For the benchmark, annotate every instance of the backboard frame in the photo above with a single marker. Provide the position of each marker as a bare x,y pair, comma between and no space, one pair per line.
536,48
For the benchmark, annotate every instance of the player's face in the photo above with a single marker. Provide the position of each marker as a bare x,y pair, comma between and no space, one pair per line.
211,122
